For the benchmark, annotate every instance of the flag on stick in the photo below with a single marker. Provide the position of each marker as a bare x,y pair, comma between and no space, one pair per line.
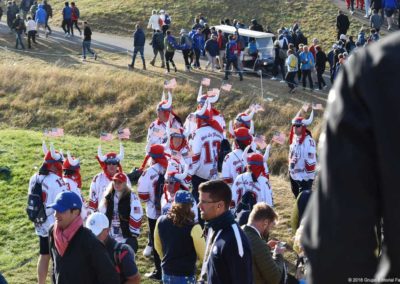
206,82
104,136
124,133
279,137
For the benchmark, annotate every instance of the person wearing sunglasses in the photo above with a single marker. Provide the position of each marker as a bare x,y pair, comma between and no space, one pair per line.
302,155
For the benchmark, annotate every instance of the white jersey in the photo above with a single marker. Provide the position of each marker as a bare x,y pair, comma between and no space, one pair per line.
190,124
302,159
97,188
52,185
157,132
167,204
135,217
205,148
153,22
183,157
244,183
73,186
233,166
147,189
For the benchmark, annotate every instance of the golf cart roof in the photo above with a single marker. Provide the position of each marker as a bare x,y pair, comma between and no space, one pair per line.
243,32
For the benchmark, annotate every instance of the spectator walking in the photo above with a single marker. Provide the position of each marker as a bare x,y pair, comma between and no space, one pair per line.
154,22
320,65
122,255
139,40
41,18
198,46
31,29
49,14
123,210
157,43
170,44
10,16
87,39
307,64
33,10
231,52
279,62
268,267
178,240
74,18
255,26
221,46
227,256
19,27
67,19
292,68
390,6
342,24
187,48
78,256
212,50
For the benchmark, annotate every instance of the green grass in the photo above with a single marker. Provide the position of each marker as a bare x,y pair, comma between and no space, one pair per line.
21,151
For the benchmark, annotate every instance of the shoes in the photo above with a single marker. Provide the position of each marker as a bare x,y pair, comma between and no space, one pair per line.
351,12
144,67
162,65
291,91
317,89
176,70
241,78
152,63
148,250
130,66
282,81
325,87
274,79
95,56
155,275
83,59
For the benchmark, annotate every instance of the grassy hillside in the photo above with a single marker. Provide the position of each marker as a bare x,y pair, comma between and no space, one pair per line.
317,17
21,151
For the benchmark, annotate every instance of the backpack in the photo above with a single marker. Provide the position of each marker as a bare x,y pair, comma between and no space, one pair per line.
76,12
282,53
118,248
167,20
224,150
35,207
160,22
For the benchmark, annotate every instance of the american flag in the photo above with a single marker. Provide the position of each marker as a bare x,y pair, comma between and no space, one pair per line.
305,107
317,107
104,136
279,137
210,93
226,87
124,133
171,84
216,91
260,141
206,82
54,132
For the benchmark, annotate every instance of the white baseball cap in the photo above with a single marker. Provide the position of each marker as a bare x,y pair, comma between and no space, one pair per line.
97,222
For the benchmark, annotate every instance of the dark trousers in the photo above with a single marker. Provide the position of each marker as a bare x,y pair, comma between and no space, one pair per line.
18,40
152,226
307,74
133,243
169,57
186,54
75,23
31,36
155,52
341,32
66,26
234,62
281,66
290,79
300,185
196,181
139,49
197,55
47,25
321,81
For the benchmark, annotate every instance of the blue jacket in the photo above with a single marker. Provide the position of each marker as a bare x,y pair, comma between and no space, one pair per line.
41,15
307,61
212,47
198,41
389,4
67,13
231,50
138,38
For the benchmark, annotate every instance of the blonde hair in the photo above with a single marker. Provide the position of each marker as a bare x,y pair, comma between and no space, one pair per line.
109,190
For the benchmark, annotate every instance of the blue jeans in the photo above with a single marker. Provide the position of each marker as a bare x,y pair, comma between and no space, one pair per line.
86,46
137,49
171,279
18,38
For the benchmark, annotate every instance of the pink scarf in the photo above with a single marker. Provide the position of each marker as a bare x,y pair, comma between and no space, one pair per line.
63,237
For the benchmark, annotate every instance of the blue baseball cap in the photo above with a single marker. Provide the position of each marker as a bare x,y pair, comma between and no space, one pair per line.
183,196
66,200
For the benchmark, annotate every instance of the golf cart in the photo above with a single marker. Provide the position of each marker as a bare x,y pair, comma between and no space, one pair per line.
265,49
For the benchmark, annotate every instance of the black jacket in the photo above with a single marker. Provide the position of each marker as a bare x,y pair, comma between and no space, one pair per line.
359,170
342,23
138,38
320,60
85,261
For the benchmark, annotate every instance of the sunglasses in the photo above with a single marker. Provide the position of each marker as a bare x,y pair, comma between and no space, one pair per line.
298,125
112,162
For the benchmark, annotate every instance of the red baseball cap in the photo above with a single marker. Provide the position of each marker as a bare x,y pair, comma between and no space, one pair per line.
121,177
